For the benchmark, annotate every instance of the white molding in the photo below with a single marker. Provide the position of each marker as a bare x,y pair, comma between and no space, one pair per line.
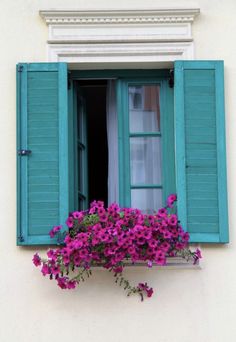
117,38
144,16
61,33
120,55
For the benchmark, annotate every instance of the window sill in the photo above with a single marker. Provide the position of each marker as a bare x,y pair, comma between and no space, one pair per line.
172,263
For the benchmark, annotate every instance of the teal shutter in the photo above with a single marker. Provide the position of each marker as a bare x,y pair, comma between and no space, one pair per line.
200,150
42,129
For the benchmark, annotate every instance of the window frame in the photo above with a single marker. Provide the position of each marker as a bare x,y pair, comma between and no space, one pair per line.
137,77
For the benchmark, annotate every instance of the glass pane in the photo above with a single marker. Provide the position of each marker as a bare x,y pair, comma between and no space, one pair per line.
145,160
144,108
148,200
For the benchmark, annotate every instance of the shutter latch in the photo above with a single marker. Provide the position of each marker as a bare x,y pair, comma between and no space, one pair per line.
24,152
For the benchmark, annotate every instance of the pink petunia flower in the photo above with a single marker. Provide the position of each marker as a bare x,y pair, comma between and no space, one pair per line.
173,220
171,199
197,256
61,282
55,270
36,260
71,284
70,222
77,215
162,212
45,269
54,231
146,288
118,269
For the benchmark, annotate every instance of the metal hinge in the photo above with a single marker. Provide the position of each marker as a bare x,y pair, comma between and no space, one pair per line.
171,78
21,239
24,152
20,68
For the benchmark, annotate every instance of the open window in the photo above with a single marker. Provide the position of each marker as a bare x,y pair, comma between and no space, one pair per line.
124,127
157,139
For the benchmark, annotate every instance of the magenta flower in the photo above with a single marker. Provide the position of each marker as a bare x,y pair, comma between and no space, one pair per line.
36,260
146,288
61,282
149,292
54,231
71,284
131,250
78,244
141,241
160,258
165,246
147,234
111,236
173,220
162,212
45,269
197,256
171,199
51,254
101,211
152,243
55,270
70,222
95,241
100,204
118,269
77,215
185,237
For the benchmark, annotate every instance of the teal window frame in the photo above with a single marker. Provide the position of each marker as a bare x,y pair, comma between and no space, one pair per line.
124,78
166,133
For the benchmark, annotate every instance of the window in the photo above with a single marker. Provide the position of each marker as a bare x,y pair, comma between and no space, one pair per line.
166,138
145,129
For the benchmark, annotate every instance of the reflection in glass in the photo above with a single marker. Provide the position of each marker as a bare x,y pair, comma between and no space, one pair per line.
144,108
148,200
145,160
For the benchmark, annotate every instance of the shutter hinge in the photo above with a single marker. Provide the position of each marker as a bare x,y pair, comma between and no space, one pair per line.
24,152
171,78
20,68
21,238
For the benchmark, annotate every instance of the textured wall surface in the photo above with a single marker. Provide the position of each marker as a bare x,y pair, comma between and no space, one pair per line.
188,305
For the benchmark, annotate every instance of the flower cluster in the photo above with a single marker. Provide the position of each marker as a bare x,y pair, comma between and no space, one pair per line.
109,237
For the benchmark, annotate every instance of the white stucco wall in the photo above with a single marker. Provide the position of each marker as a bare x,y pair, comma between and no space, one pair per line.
188,305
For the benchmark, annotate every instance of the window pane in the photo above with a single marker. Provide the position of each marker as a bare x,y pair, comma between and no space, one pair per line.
144,108
145,160
148,200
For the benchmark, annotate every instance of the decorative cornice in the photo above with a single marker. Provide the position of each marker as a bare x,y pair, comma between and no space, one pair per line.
95,17
120,36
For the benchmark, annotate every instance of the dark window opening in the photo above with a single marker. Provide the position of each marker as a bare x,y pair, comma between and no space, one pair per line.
94,93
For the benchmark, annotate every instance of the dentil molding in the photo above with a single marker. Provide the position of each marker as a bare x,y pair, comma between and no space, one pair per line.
119,36
184,15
